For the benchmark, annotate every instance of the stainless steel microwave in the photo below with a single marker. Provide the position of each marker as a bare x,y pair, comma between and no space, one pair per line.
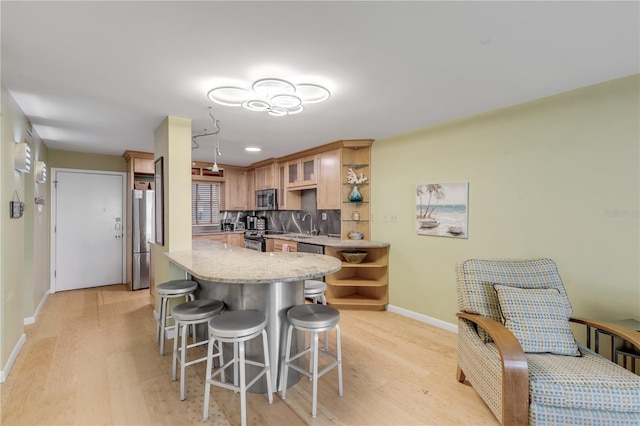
266,199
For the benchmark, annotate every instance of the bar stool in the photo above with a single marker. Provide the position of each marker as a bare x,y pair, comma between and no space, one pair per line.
236,327
315,289
185,315
314,319
171,290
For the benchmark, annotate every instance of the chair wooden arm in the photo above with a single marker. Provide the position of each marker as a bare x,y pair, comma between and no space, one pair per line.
624,333
515,372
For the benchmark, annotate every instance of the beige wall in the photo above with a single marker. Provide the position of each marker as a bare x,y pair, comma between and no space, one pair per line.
557,177
85,161
24,245
172,142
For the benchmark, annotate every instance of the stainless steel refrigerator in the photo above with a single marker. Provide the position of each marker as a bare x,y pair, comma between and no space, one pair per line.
142,234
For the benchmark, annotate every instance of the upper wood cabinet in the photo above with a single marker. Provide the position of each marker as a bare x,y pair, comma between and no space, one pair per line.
235,189
202,171
251,190
143,166
302,173
329,185
139,163
265,177
287,200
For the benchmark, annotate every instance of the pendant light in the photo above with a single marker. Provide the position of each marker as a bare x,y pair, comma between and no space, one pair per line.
216,152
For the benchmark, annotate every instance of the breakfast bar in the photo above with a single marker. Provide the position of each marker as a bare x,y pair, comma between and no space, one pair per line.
246,279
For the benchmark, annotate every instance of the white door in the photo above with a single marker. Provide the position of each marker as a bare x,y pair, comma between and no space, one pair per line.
88,229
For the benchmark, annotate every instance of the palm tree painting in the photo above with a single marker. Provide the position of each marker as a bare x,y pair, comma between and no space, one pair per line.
441,209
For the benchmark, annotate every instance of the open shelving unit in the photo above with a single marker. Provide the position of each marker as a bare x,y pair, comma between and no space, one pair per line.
356,158
360,285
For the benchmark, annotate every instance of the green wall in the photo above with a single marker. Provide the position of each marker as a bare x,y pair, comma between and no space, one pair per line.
85,161
557,177
24,242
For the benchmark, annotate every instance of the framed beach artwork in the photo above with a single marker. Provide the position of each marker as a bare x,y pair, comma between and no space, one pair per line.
442,209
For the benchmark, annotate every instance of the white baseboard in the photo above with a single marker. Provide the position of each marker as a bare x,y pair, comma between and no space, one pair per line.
4,373
34,318
423,318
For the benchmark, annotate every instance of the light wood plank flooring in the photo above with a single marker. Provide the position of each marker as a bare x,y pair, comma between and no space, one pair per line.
91,359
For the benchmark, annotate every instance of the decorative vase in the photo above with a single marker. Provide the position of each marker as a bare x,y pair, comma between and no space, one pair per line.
355,195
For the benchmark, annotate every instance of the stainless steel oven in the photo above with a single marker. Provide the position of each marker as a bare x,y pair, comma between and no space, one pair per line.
254,241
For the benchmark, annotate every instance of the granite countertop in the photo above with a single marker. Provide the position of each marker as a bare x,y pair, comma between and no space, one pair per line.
323,240
212,261
216,232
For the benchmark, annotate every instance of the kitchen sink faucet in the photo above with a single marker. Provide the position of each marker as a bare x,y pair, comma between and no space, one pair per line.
312,230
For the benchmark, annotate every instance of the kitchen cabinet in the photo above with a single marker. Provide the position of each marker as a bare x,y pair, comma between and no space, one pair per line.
302,173
287,200
220,238
235,189
362,285
251,190
329,185
143,165
202,171
265,177
278,245
236,239
233,239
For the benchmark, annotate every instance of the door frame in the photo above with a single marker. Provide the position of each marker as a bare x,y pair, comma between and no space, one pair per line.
54,205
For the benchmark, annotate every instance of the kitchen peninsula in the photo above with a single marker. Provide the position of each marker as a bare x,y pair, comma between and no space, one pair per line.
247,279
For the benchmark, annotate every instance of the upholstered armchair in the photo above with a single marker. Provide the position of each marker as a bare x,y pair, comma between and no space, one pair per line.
516,349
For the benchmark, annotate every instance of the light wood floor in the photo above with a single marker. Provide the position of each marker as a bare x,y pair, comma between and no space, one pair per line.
91,359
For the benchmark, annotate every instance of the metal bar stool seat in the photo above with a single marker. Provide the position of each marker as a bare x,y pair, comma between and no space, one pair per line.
315,289
314,319
184,315
236,327
171,290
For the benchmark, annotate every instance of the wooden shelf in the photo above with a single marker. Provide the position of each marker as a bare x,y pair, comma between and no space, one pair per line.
357,301
360,285
364,265
356,166
355,281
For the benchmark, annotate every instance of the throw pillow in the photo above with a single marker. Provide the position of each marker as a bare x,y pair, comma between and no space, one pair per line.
538,319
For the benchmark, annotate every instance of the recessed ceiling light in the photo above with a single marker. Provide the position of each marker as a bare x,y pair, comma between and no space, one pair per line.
253,149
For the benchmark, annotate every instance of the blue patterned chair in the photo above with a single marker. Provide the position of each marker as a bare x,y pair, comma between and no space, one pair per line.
516,349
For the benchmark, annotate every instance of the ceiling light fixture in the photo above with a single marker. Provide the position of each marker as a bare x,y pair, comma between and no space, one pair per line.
274,96
253,149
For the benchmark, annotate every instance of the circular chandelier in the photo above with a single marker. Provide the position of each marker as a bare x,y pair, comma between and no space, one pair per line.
274,96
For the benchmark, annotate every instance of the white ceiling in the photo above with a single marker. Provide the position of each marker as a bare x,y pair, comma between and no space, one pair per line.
101,76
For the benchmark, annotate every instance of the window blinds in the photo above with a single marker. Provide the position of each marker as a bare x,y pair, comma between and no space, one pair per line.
205,203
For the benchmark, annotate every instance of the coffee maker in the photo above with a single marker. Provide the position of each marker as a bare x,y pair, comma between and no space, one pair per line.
252,223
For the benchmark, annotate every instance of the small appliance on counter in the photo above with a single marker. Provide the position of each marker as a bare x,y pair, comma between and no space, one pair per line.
239,226
251,222
227,225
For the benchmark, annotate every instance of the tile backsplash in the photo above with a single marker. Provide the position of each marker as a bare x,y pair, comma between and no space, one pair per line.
323,221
